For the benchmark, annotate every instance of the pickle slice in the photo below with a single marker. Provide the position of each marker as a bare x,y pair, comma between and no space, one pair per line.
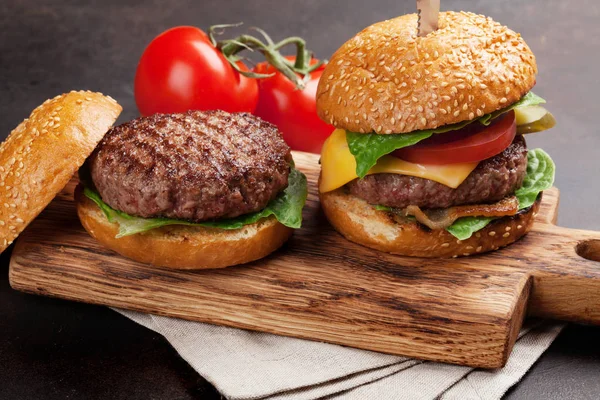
533,119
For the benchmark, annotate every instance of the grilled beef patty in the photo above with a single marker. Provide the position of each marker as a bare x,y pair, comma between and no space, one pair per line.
492,180
199,165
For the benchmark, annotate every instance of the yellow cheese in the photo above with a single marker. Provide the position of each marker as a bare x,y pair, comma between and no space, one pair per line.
338,166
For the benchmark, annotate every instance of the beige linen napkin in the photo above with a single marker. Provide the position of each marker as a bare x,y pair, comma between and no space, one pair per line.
251,365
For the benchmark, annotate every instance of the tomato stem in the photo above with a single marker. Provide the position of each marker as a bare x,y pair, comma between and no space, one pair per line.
230,48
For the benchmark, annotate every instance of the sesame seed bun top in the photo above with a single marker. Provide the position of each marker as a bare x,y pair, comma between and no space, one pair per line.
386,79
41,155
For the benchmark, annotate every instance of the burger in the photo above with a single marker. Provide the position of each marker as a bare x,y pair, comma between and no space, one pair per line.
428,157
202,189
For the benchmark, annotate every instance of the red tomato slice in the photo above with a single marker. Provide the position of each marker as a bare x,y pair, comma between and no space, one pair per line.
475,142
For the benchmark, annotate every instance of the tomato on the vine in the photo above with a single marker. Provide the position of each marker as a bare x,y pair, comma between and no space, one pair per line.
293,110
475,142
182,70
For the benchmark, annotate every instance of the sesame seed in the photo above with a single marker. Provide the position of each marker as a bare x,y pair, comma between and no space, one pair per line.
492,233
458,241
471,115
503,100
519,226
507,234
507,229
478,249
445,244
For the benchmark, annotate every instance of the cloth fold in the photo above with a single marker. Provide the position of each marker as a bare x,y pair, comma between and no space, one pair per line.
247,365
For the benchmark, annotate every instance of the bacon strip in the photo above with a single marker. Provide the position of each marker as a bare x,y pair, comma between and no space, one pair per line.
441,218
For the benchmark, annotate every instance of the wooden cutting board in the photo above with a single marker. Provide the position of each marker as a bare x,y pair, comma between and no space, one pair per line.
321,287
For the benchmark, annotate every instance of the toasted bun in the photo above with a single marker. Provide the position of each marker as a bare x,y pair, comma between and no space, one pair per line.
388,80
361,223
185,247
41,155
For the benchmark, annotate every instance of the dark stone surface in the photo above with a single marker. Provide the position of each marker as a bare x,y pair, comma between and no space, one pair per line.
57,349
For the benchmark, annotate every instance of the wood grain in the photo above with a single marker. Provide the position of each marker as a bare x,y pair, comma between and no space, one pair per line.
319,286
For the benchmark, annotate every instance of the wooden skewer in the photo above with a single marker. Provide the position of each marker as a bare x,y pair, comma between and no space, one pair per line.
428,16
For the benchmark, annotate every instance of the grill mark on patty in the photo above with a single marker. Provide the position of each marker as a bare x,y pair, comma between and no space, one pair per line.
199,165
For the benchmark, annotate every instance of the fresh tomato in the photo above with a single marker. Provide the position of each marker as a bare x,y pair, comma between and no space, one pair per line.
293,110
181,70
475,142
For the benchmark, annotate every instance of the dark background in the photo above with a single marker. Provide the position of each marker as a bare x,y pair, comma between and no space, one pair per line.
57,349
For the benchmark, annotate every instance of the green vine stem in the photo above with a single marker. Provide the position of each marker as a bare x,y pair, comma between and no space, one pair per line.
231,49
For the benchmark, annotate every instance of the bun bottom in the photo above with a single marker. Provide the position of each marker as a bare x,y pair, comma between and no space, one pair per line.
185,247
360,222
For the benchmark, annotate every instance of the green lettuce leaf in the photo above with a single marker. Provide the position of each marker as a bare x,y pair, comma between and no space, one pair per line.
539,177
464,228
370,147
287,208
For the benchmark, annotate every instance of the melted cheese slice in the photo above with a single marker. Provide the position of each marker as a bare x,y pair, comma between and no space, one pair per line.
338,166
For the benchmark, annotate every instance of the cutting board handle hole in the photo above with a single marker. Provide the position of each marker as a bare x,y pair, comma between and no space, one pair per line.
589,249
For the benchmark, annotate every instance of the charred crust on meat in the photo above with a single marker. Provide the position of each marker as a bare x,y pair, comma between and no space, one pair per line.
198,166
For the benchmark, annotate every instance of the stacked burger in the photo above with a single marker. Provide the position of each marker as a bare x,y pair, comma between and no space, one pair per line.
428,158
